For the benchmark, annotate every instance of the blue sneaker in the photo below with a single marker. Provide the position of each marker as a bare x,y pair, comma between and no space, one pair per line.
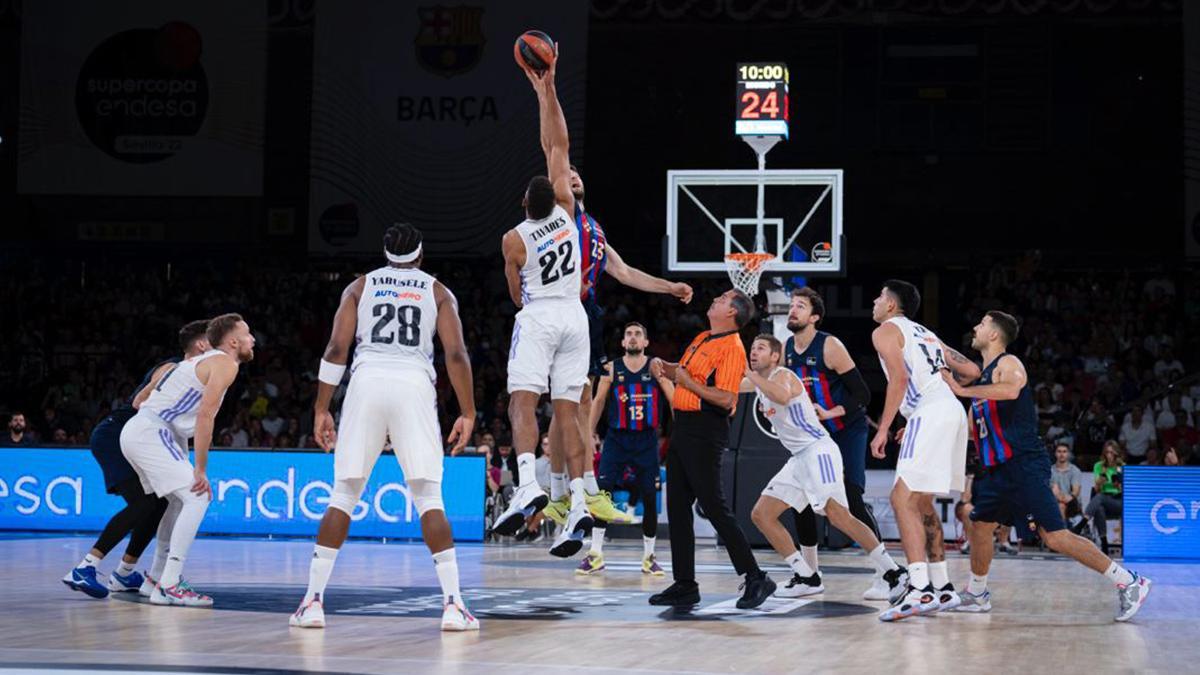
125,584
83,579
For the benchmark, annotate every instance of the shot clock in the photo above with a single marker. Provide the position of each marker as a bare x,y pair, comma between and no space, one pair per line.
762,100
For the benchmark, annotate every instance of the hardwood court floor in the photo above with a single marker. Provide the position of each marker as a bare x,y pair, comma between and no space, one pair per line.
1049,616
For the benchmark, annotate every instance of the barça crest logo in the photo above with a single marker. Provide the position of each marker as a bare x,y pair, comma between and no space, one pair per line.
450,39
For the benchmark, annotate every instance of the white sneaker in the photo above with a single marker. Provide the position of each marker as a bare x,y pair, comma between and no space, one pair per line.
878,590
310,614
948,598
799,587
528,500
181,594
1130,598
570,540
915,602
147,587
456,617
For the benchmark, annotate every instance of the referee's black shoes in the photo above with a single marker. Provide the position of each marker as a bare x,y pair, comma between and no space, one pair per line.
679,594
755,590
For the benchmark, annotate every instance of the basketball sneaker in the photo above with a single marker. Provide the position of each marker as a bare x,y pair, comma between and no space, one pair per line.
975,604
600,505
914,603
527,500
593,563
456,617
147,585
650,566
678,594
948,598
1131,597
886,585
83,579
180,594
570,540
130,583
310,614
756,588
799,587
558,509
897,581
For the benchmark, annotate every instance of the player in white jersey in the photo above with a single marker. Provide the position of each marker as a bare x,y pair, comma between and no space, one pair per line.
182,405
933,445
812,477
390,316
550,343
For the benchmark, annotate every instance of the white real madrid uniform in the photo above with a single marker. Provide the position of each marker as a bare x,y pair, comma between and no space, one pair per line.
391,393
933,452
813,475
550,334
155,441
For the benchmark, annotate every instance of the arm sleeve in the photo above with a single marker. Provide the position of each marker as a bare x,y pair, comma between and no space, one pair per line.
856,386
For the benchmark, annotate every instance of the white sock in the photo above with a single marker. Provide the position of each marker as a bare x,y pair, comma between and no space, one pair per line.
558,486
977,584
598,540
183,533
810,557
89,560
124,569
577,495
799,565
319,570
882,561
165,528
446,564
160,560
939,576
647,546
589,483
1118,575
526,469
918,575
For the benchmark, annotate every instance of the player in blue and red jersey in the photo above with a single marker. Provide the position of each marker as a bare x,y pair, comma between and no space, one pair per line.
840,396
636,401
1012,484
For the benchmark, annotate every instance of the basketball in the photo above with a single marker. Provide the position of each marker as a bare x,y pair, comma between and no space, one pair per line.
534,50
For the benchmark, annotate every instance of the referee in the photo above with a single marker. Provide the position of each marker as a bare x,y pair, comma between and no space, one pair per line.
707,380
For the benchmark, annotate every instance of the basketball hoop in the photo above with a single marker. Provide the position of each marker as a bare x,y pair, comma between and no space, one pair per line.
745,269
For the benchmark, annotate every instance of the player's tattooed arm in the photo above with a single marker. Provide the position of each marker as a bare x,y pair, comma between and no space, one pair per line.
1007,381
965,370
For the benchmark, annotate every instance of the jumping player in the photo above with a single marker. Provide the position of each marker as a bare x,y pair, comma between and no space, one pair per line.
184,405
1012,485
391,316
812,478
142,512
933,449
634,416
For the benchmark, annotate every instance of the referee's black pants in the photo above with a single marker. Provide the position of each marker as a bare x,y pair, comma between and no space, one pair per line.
694,475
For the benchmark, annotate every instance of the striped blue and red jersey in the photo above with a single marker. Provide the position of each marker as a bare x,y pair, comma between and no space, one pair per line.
1004,429
593,252
633,402
824,385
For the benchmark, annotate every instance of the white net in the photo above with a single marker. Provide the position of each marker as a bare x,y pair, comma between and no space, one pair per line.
745,269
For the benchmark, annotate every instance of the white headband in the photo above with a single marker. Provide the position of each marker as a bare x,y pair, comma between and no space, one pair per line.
406,258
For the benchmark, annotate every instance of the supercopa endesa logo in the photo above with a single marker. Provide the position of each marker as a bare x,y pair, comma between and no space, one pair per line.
760,416
142,93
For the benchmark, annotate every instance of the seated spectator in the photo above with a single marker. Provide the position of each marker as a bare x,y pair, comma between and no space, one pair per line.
1107,495
1183,437
1167,364
272,423
17,434
1066,480
1137,435
1168,457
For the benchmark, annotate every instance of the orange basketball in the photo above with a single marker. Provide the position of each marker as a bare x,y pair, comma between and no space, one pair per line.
534,50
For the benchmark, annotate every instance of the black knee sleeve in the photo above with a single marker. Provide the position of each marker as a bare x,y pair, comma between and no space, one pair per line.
806,527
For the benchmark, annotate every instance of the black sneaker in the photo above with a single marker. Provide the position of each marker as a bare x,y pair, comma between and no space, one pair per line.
680,593
757,588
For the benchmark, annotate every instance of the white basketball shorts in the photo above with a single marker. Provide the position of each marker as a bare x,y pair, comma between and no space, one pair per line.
385,403
811,477
933,452
550,349
159,458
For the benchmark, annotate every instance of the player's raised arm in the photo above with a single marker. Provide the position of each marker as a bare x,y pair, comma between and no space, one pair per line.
333,363
555,139
598,401
1008,379
632,277
887,340
514,260
458,366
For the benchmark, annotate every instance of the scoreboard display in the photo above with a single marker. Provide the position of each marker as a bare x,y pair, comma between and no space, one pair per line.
762,100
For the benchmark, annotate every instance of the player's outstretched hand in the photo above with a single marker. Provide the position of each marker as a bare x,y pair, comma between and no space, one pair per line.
656,367
879,444
460,434
955,387
822,413
201,486
323,430
682,291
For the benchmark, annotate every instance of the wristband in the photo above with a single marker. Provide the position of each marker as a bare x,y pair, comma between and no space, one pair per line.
331,373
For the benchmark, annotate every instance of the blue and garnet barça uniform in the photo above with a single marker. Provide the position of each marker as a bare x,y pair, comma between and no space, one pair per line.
1012,484
827,389
634,413
593,255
